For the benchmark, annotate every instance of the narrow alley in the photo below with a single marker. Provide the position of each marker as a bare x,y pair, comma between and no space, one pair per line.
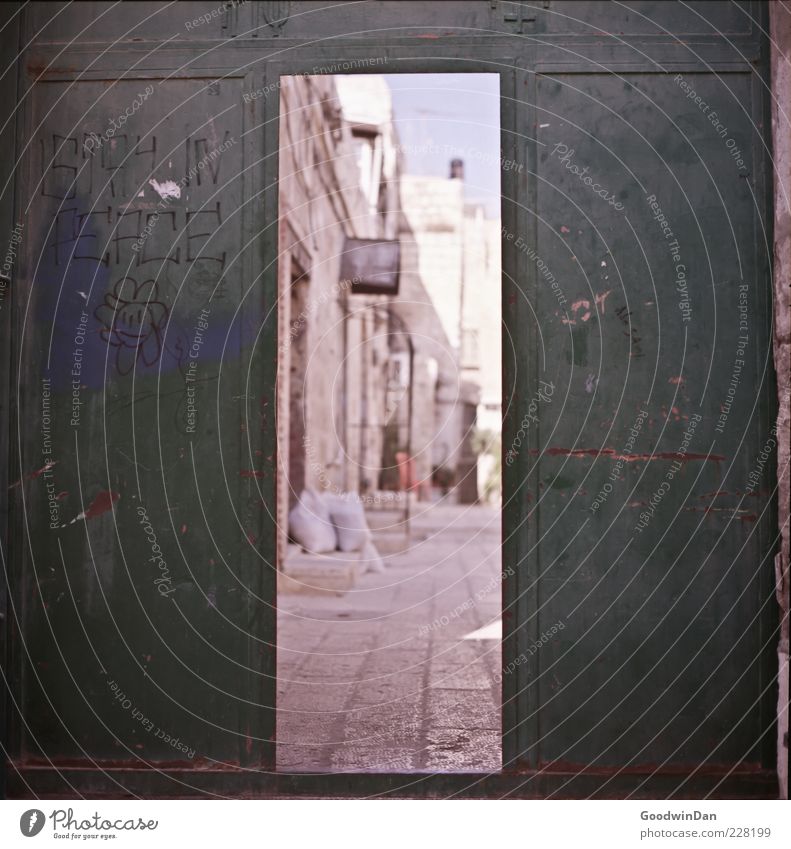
389,676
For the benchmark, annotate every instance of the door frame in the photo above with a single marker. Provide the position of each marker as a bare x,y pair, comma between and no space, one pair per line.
515,301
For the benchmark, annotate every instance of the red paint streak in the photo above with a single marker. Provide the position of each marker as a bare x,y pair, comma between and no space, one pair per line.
101,504
627,458
41,471
662,769
251,473
120,763
36,474
61,495
733,512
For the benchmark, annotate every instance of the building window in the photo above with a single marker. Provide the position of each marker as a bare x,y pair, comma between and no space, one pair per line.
469,348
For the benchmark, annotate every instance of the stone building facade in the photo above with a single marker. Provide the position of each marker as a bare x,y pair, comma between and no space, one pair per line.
451,256
367,381
338,180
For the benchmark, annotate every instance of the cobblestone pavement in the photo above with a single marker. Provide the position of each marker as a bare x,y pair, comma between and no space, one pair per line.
381,678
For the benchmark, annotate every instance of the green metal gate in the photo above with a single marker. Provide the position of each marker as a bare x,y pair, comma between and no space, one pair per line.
638,517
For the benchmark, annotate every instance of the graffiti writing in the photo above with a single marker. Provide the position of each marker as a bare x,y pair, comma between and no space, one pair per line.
133,322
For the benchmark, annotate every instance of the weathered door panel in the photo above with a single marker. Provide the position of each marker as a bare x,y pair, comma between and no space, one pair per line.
654,332
647,19
129,575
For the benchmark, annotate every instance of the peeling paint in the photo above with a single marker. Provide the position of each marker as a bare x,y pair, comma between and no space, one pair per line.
167,189
101,504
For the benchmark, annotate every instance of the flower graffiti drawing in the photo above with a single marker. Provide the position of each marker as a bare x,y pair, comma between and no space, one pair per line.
133,323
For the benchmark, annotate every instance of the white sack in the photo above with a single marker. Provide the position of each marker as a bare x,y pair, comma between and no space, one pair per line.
310,525
348,516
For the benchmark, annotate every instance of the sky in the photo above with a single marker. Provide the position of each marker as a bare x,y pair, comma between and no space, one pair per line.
442,116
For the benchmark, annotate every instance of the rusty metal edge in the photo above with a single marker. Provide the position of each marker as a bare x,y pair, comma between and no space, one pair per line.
45,782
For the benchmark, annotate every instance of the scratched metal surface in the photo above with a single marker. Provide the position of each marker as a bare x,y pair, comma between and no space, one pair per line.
651,546
599,684
140,351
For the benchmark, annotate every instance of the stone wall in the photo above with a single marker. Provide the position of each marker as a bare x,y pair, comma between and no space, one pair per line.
780,31
339,390
453,253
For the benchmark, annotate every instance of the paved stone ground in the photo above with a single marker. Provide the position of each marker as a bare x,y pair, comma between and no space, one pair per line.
377,679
